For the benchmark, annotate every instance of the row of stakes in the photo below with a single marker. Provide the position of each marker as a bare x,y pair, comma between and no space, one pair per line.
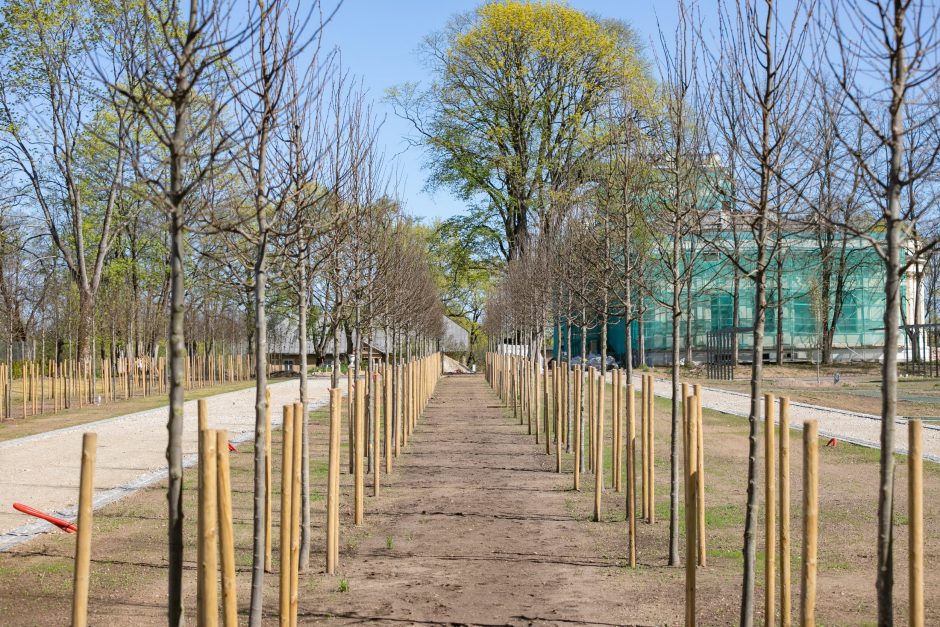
547,400
215,538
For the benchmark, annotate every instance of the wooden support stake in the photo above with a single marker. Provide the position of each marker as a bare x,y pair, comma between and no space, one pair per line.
332,492
785,602
208,550
376,441
387,418
556,383
226,531
770,511
578,379
810,522
599,452
691,517
83,537
287,484
359,446
915,500
631,473
651,451
296,468
644,451
700,476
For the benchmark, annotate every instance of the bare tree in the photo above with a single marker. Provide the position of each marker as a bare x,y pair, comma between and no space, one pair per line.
884,59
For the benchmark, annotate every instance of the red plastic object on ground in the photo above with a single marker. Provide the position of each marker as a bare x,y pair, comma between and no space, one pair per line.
64,525
831,442
231,447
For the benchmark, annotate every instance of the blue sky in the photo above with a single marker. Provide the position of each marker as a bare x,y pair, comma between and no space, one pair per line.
379,41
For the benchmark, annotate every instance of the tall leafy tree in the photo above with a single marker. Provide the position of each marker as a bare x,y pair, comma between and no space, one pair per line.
507,121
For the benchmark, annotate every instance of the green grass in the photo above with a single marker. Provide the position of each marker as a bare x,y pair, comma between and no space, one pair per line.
724,516
389,542
343,585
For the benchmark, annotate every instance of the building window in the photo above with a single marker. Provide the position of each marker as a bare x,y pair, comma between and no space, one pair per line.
804,323
722,314
849,321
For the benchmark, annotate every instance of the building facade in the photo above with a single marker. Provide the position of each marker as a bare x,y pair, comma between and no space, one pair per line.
797,282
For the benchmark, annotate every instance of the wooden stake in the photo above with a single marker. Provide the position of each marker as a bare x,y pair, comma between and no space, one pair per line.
296,467
615,415
691,516
332,493
915,500
208,550
644,446
359,446
287,484
387,418
83,537
810,522
556,383
376,441
770,510
784,421
700,476
631,473
599,452
651,451
226,531
578,427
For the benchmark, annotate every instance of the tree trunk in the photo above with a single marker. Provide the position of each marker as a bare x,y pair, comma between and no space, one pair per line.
675,426
174,427
750,513
304,562
261,384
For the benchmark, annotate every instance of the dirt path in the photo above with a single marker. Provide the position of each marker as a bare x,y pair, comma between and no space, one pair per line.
42,470
477,528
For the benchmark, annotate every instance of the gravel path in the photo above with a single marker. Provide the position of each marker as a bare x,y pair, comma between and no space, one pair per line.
43,469
855,427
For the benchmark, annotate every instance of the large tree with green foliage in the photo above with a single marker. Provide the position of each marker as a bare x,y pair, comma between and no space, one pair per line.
508,121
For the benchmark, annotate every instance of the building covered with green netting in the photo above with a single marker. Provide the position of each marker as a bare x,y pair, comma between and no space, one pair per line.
796,295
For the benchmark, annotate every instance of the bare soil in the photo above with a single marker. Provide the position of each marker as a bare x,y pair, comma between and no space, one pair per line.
475,527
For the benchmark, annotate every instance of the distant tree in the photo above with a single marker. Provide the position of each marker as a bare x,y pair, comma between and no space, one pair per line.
506,125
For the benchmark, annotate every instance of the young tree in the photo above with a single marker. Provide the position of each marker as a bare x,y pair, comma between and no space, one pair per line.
173,58
884,58
758,72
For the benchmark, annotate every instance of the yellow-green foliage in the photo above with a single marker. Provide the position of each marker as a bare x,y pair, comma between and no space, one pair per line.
547,43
